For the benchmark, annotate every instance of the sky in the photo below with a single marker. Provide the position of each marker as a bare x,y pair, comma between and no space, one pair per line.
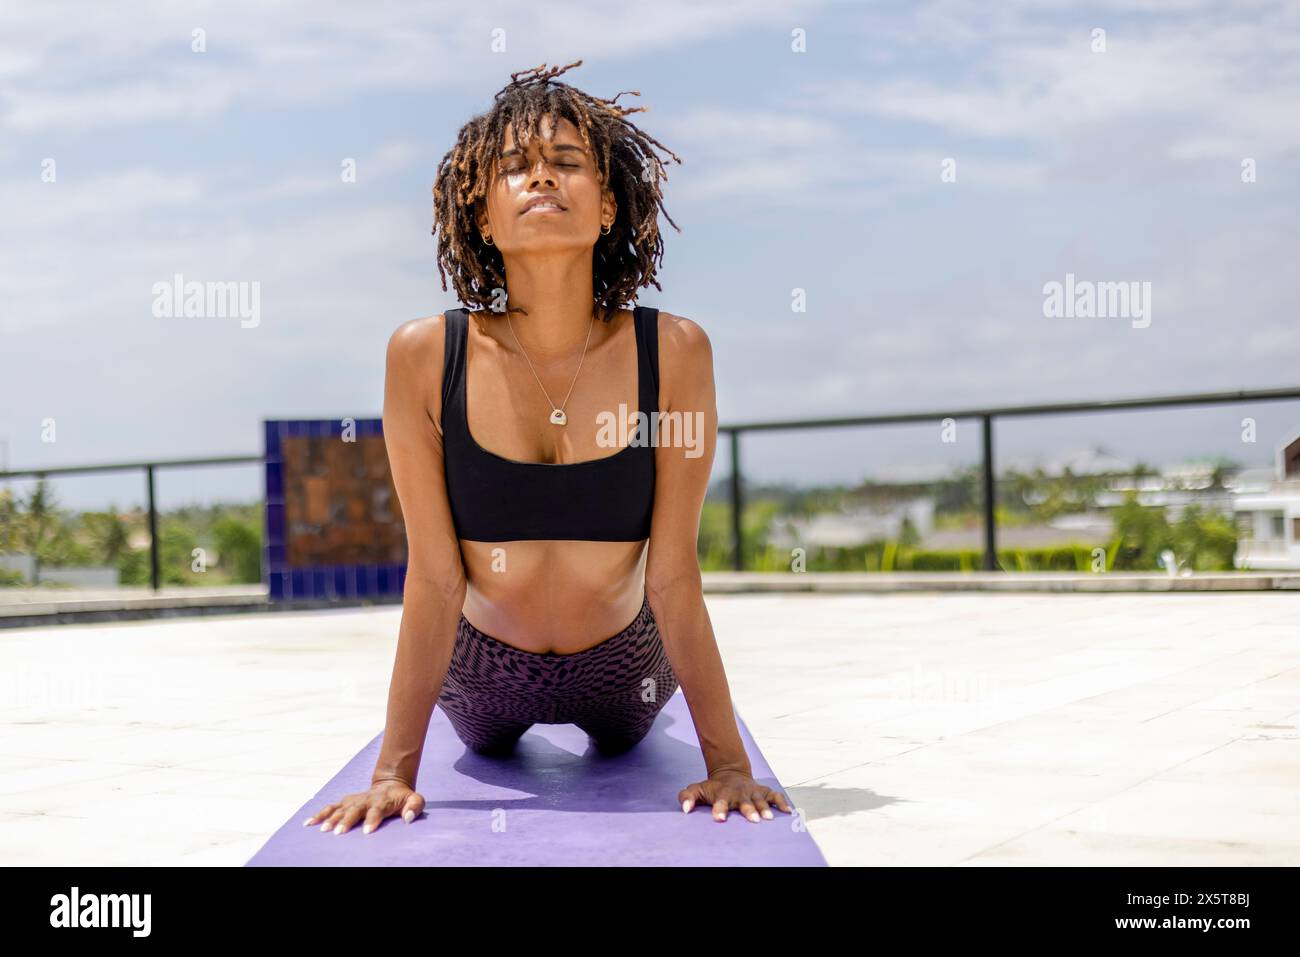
873,199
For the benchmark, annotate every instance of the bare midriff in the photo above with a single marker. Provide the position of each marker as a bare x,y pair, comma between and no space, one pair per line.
562,597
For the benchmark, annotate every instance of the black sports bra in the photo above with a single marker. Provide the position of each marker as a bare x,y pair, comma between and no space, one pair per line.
496,499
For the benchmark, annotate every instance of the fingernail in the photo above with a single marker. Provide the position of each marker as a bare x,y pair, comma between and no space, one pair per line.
686,807
409,816
366,829
754,818
768,814
306,822
339,828
325,826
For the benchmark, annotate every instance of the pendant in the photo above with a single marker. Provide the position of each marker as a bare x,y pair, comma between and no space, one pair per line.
558,418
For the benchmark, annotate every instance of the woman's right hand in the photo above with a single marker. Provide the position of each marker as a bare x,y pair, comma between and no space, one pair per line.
384,799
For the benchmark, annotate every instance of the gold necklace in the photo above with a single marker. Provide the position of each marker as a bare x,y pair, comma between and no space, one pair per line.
557,411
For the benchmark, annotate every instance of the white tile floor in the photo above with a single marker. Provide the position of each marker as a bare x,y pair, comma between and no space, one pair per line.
963,728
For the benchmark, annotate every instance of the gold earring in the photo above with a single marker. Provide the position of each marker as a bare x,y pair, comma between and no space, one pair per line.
487,240
606,230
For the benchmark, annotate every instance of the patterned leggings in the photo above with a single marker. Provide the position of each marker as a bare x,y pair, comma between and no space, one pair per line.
494,692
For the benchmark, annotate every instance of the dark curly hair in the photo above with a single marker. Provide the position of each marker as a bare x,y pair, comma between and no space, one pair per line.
624,260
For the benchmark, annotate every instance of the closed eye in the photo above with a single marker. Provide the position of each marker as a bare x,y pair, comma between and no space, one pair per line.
511,170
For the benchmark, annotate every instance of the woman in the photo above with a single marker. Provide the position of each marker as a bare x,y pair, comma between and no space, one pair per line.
548,579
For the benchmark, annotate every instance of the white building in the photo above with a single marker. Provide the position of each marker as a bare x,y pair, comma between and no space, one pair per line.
1269,519
847,528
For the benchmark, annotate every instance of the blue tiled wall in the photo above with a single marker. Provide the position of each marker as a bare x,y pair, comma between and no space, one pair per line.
329,582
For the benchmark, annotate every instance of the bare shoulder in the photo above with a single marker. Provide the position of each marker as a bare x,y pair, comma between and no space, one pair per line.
415,357
416,337
685,363
683,344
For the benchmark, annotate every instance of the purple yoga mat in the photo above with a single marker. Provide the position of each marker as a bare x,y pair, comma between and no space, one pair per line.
554,802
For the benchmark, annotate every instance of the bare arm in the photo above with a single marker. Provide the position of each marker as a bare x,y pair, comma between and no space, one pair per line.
683,462
434,592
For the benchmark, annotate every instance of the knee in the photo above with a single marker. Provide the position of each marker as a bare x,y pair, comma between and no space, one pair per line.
622,741
491,742
612,746
494,747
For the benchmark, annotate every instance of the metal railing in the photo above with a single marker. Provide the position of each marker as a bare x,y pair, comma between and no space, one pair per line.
149,468
734,431
986,416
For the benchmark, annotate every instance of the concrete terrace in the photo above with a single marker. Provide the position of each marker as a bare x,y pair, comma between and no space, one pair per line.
949,728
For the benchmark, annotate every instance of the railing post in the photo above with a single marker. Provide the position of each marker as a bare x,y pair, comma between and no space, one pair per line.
737,505
990,513
153,530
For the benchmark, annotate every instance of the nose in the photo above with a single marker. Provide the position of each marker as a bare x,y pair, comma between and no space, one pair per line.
540,173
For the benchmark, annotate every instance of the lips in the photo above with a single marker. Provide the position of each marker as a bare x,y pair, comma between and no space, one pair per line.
547,201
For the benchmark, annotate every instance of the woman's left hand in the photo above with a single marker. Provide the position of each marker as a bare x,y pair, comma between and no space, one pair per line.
733,789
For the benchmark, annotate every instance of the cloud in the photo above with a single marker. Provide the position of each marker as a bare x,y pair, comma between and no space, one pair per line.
135,63
381,163
120,64
1045,84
